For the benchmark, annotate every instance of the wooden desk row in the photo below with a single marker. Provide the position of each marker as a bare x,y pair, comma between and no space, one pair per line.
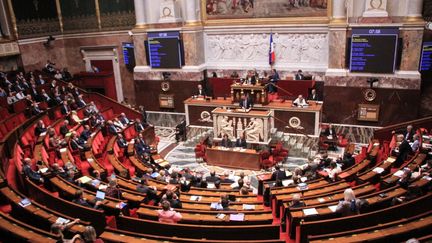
211,218
111,235
416,161
38,214
15,230
388,214
326,211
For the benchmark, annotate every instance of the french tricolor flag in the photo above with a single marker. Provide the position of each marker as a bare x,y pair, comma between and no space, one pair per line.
272,54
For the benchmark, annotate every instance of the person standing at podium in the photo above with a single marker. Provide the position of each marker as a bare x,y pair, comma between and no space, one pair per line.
246,102
299,75
313,95
241,142
226,142
251,77
201,91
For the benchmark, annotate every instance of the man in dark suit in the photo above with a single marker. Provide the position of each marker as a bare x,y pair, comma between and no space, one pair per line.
86,133
251,78
40,128
139,127
180,132
347,161
123,119
201,91
212,177
409,133
80,101
313,96
35,94
246,102
64,129
30,173
141,146
299,75
402,150
330,131
111,128
121,142
278,174
143,114
64,109
45,97
226,142
35,110
75,143
225,178
241,142
325,160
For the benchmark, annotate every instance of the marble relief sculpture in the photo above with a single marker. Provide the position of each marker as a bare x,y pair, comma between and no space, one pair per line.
254,131
225,126
291,49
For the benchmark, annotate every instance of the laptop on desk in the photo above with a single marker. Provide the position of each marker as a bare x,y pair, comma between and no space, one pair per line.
100,196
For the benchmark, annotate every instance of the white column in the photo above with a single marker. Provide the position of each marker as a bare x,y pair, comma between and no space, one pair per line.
339,10
414,8
191,11
139,13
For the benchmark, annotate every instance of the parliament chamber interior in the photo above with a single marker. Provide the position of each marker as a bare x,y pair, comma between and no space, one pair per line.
216,121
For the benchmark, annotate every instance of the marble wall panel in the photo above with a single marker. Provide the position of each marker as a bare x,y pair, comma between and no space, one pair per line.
412,42
147,93
193,43
140,52
384,82
396,105
337,46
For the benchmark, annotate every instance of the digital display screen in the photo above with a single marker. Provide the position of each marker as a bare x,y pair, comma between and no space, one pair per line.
128,54
426,57
164,49
374,50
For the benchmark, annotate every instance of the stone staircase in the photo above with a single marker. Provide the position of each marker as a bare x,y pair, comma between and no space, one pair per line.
299,146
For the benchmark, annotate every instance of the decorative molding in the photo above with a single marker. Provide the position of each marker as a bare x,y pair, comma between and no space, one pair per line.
9,49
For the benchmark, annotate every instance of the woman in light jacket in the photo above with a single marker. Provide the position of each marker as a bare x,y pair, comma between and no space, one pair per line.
167,215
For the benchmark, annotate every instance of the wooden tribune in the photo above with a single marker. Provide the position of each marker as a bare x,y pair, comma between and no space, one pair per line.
254,125
257,93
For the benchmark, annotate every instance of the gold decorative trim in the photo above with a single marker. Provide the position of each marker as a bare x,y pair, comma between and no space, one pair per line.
59,14
266,21
13,18
338,20
193,24
98,15
141,26
414,19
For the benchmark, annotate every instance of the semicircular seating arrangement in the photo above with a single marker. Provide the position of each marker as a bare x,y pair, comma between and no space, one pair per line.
31,203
